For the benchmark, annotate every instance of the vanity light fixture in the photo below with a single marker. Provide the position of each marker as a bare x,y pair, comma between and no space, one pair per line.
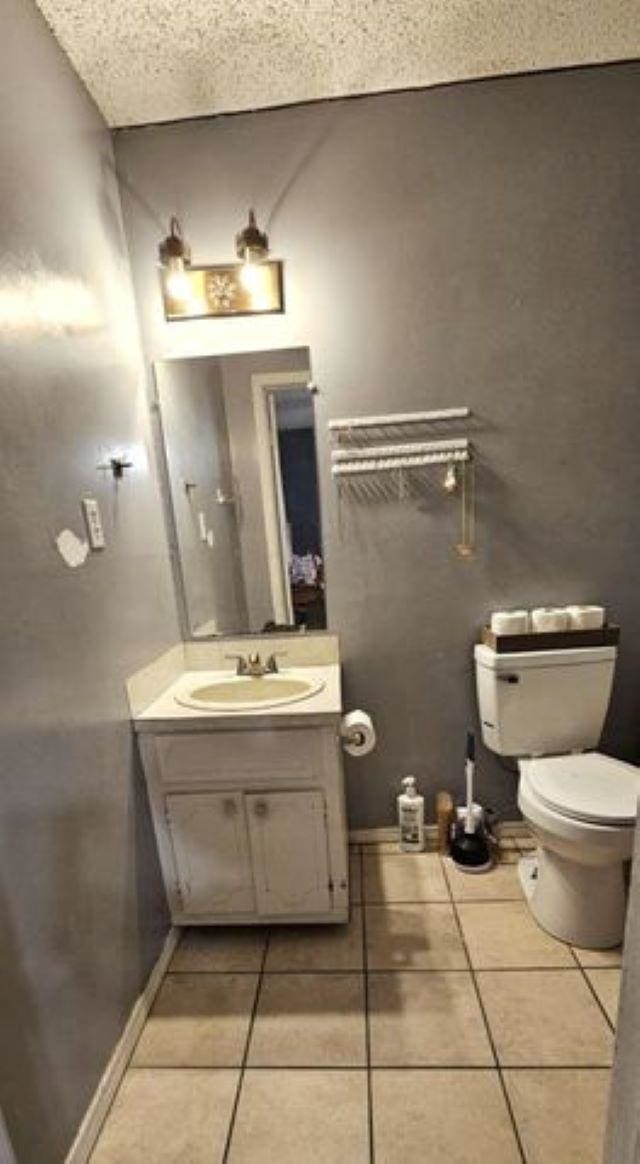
250,287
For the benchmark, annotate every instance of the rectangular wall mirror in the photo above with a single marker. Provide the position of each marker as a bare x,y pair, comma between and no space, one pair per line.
241,486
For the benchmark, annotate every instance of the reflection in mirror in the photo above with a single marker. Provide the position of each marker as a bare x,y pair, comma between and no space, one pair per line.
239,452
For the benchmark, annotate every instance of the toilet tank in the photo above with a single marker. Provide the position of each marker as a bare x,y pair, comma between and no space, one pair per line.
538,703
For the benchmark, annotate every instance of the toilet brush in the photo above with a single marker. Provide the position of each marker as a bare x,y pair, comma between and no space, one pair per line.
470,850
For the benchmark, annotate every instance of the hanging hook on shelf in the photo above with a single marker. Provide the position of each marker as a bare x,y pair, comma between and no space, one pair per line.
466,546
450,480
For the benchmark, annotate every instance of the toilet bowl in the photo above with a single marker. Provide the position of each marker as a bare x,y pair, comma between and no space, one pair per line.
581,810
547,709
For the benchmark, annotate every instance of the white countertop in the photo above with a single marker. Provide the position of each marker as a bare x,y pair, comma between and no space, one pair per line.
166,714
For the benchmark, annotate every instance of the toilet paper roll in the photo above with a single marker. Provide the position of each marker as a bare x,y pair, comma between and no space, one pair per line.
586,617
510,622
358,733
549,618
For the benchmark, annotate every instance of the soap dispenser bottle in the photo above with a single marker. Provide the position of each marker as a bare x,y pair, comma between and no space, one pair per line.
411,817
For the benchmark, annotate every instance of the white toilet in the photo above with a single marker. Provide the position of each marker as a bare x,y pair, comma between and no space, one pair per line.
547,709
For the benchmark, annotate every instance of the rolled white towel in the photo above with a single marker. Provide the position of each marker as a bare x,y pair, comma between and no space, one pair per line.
586,617
510,622
549,618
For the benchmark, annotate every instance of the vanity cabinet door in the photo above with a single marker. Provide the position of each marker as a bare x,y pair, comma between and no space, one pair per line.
288,836
209,838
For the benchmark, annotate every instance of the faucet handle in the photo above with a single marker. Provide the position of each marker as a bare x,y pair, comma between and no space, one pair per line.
242,666
272,662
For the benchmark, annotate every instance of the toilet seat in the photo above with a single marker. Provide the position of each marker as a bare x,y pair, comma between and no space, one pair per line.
586,787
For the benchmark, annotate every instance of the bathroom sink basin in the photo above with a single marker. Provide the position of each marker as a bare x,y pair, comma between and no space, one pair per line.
249,693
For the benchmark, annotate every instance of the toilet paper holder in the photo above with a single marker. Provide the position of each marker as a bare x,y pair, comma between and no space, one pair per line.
357,733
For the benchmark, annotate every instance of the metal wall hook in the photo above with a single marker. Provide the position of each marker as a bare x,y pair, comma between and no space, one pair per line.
117,466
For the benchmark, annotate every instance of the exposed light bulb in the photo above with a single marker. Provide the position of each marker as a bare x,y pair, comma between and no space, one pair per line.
254,279
175,257
176,281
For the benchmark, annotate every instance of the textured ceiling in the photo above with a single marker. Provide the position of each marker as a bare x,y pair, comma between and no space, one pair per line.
156,60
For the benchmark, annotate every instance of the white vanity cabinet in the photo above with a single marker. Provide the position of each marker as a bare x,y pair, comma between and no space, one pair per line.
250,823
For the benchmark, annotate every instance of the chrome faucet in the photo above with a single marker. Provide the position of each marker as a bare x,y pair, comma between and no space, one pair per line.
253,666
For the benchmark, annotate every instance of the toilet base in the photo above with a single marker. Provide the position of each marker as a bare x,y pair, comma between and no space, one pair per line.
581,904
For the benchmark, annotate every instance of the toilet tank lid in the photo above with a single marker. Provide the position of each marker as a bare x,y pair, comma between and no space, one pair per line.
518,660
590,787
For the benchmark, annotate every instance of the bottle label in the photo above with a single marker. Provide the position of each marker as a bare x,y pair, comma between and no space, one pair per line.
410,825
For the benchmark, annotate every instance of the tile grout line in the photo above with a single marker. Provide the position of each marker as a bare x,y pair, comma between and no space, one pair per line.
503,1086
424,1067
245,1055
592,990
557,969
367,1032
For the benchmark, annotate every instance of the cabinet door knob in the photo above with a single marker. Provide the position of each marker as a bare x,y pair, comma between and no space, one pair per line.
230,808
261,808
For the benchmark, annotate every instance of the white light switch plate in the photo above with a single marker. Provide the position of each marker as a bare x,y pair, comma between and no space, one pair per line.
93,521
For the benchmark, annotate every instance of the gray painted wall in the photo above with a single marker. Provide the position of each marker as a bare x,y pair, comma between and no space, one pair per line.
82,913
196,446
475,245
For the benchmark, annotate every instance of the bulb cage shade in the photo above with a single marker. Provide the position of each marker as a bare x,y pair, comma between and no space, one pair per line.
252,244
173,251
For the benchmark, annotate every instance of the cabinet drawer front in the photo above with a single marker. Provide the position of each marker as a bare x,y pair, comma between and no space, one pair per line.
255,757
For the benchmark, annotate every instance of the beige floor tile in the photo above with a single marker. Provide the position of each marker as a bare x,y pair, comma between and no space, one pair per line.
317,947
404,877
599,958
508,856
376,850
301,1117
516,829
418,1117
309,1020
527,844
500,884
168,1115
429,1019
508,843
414,937
606,984
544,1018
560,1114
198,1020
210,948
355,879
503,934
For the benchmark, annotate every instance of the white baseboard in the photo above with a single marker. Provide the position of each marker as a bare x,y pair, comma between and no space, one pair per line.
380,836
383,835
96,1113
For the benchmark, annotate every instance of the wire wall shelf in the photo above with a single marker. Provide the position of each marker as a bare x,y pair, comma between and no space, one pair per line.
361,465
